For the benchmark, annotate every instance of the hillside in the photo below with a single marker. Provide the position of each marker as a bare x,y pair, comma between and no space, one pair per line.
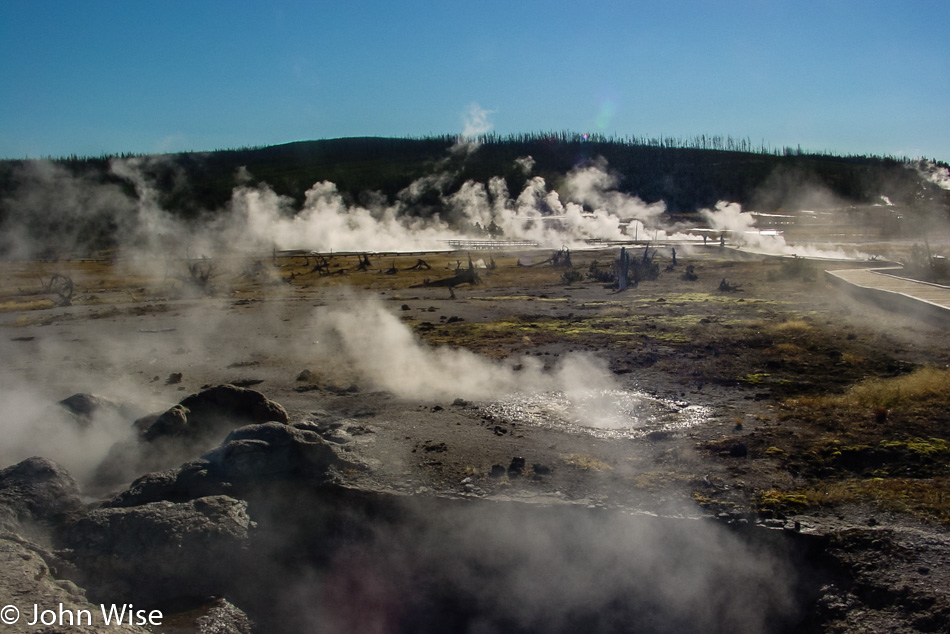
47,198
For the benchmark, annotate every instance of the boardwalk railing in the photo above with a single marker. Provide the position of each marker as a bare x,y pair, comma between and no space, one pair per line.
490,245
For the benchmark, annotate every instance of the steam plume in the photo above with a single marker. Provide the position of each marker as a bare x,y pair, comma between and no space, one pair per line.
933,173
729,217
384,350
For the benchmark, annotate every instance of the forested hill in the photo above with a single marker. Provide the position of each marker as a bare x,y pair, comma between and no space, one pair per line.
686,175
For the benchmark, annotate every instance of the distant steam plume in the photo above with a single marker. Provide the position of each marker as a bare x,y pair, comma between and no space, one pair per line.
78,210
475,122
933,173
740,226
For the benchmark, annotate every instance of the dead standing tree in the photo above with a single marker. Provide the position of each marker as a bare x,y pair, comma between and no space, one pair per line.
62,287
631,272
562,258
200,275
364,264
623,270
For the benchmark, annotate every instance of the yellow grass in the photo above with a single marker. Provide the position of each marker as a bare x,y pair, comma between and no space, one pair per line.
587,463
925,383
32,304
920,384
924,499
792,326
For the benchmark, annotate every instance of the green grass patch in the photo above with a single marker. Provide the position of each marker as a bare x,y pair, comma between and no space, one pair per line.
756,378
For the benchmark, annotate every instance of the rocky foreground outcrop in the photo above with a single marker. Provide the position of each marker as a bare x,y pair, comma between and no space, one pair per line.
144,553
261,527
186,430
180,548
36,495
249,458
262,522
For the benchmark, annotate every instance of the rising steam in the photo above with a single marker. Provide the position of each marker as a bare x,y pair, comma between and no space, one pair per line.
740,226
933,173
386,353
54,204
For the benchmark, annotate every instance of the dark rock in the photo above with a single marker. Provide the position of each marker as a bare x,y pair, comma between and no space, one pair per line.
738,450
541,469
249,457
84,406
171,423
141,424
37,495
306,375
224,405
29,579
224,618
189,481
243,382
497,471
84,409
36,490
158,551
186,430
517,466
173,379
343,389
270,451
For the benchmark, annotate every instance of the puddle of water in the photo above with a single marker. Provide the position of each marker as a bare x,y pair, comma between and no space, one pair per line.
600,413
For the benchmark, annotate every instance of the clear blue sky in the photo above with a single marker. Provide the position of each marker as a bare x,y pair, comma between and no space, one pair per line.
93,76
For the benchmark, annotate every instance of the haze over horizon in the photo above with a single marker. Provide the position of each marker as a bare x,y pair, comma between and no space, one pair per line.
110,77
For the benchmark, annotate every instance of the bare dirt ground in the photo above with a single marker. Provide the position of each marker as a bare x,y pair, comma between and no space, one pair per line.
719,389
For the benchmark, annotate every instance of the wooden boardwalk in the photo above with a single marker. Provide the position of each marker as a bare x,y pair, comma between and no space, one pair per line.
882,287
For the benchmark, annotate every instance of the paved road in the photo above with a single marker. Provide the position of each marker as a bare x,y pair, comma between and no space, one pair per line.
880,286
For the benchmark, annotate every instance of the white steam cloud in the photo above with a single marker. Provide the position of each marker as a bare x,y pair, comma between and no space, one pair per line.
258,218
587,205
261,218
476,121
525,163
740,225
933,173
591,209
385,351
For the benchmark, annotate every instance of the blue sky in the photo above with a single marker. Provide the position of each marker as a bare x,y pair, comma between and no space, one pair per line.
91,76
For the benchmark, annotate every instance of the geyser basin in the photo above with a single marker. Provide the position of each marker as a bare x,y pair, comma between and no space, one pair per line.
608,413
